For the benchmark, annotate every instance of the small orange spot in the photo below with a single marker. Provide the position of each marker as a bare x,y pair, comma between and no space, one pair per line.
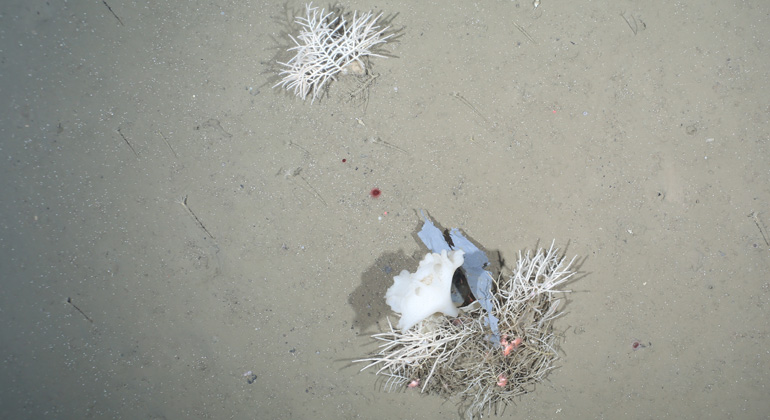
508,348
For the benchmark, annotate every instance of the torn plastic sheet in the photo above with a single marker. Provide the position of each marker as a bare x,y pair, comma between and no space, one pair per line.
479,280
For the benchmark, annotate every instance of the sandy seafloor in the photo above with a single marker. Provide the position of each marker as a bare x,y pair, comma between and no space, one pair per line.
635,134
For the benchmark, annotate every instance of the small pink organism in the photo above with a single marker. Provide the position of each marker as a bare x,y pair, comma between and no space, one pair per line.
414,384
502,381
509,346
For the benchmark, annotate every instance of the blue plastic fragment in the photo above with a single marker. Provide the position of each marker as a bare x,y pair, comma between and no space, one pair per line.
479,280
432,237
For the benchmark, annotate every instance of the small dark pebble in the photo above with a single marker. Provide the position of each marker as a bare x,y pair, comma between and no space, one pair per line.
251,378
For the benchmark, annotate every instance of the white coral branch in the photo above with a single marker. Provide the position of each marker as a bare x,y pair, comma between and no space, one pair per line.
326,45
